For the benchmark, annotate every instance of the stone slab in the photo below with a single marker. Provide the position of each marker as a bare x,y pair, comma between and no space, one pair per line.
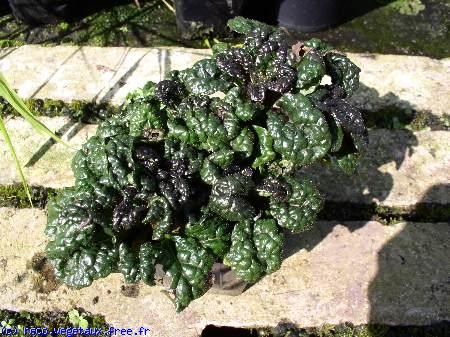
52,162
108,74
90,73
401,168
405,82
356,272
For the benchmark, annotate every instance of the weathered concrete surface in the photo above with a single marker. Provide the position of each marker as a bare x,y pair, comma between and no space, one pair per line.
108,74
400,169
51,168
354,272
405,82
90,73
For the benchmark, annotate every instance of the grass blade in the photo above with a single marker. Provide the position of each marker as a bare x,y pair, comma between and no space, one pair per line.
13,99
16,160
169,6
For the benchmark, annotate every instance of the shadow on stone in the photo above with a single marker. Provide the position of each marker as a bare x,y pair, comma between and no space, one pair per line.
49,143
391,112
121,81
412,286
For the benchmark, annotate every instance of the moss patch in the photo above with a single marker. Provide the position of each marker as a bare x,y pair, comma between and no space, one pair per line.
48,320
15,196
392,117
421,212
84,111
6,43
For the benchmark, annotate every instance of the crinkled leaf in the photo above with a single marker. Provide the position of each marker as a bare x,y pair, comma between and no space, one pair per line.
188,264
210,173
222,158
348,117
244,142
128,263
73,223
203,78
212,232
146,119
310,70
303,139
337,135
170,92
245,26
319,45
266,153
243,255
148,255
84,266
228,198
299,211
243,109
159,217
269,243
199,127
343,72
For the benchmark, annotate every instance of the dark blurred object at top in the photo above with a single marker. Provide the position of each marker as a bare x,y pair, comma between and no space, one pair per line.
40,12
308,15
197,18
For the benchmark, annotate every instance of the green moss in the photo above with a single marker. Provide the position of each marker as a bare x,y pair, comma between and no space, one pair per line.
408,7
6,43
393,117
48,320
389,31
127,25
15,196
421,212
424,120
87,112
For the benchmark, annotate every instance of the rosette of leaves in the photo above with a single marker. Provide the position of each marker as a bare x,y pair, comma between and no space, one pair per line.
183,178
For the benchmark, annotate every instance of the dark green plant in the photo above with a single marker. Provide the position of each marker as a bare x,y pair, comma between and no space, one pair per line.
184,179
